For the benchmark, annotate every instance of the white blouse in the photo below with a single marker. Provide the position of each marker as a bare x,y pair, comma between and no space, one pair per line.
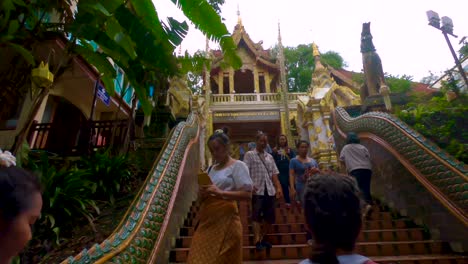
232,178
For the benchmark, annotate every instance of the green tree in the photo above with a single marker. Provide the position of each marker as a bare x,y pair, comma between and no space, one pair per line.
128,33
333,59
430,79
396,83
399,84
300,64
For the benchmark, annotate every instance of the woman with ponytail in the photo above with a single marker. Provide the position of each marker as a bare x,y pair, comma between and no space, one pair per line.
333,216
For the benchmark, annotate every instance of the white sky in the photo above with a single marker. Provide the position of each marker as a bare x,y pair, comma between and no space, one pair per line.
403,39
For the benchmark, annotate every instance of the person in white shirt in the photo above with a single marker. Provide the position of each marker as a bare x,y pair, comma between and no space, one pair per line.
218,233
357,160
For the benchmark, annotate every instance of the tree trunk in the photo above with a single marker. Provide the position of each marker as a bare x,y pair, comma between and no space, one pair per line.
24,132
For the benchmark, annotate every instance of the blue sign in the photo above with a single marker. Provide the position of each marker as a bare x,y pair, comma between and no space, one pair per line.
103,95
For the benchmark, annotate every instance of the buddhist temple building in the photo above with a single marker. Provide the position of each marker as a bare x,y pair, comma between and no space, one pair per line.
256,98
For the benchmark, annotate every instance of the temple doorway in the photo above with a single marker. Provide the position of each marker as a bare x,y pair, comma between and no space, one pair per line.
244,81
243,133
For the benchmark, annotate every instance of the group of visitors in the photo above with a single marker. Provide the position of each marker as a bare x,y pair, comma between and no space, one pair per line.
330,202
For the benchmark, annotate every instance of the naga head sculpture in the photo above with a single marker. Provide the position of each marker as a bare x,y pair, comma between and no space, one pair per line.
366,39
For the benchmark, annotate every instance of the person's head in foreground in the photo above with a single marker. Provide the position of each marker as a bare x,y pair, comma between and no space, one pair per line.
20,207
333,216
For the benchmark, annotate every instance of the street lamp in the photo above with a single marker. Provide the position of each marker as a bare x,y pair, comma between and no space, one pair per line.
447,29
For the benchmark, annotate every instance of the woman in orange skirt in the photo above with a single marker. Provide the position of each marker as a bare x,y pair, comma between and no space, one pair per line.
218,234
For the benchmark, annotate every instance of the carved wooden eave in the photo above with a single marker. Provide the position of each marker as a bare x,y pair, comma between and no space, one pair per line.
337,75
255,49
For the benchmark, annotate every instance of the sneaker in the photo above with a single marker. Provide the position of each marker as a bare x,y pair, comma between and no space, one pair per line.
259,246
266,244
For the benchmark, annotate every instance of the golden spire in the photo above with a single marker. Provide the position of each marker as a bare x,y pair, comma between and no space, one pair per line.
316,54
239,19
315,50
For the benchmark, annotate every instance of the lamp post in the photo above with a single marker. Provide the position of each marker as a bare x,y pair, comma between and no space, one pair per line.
447,29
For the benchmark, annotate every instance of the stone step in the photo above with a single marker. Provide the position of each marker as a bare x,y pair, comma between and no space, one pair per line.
388,235
301,251
295,227
292,218
377,213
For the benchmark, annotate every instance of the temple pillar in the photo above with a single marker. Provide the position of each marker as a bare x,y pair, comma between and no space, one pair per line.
283,123
209,132
231,80
267,82
314,132
256,83
220,82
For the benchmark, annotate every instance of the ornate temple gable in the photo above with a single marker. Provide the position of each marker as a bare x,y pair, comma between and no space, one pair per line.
244,42
325,89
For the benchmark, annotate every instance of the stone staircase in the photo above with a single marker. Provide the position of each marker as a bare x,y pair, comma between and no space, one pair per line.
386,238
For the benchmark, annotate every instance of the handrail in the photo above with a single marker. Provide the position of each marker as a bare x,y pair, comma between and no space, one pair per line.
252,97
429,164
136,236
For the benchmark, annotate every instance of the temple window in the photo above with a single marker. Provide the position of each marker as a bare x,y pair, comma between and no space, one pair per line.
226,83
244,81
261,81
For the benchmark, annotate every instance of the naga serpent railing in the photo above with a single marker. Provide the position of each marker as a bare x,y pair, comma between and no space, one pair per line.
136,237
444,176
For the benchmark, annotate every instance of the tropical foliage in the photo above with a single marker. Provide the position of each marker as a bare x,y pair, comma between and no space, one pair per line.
127,34
73,190
111,174
440,120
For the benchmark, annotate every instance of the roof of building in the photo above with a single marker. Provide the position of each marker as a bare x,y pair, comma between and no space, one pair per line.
240,36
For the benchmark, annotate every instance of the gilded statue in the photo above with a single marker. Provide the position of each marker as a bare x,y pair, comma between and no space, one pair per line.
179,98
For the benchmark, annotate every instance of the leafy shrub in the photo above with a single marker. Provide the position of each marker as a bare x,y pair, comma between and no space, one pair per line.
67,195
110,173
442,122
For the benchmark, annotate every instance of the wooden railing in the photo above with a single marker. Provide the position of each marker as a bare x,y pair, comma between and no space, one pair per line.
89,137
252,98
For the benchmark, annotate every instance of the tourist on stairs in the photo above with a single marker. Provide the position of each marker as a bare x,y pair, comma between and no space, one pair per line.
283,154
333,215
20,207
218,233
264,175
356,158
301,168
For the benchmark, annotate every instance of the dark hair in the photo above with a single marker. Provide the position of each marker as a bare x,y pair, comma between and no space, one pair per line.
221,136
333,214
259,135
300,142
17,186
352,138
278,140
